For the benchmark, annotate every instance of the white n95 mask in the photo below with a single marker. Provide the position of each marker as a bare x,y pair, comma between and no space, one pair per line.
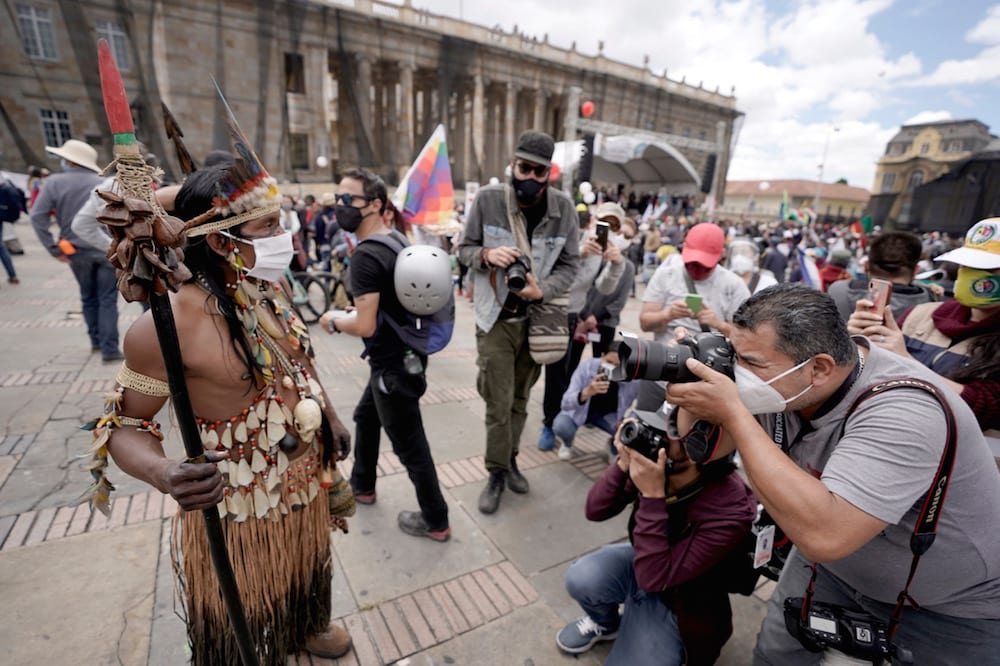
272,255
758,396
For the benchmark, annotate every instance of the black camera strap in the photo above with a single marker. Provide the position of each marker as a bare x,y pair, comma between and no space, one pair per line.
925,529
693,290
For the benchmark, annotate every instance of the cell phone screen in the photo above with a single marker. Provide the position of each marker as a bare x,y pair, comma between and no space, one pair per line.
602,234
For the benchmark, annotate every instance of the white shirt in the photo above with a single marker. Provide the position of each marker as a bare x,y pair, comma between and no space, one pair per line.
723,291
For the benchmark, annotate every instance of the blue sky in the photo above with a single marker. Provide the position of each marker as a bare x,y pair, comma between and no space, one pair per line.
852,71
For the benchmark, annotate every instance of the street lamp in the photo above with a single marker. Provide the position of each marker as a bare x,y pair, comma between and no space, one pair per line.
822,165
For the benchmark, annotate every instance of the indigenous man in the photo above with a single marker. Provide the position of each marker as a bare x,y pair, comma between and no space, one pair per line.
266,423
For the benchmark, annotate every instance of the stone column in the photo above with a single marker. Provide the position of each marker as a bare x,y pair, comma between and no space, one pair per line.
478,130
379,117
392,123
366,148
406,112
428,123
510,111
456,140
538,121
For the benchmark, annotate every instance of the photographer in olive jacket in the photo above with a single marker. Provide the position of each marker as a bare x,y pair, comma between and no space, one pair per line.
529,225
847,486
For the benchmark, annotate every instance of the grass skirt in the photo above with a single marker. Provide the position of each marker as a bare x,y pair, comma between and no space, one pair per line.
283,569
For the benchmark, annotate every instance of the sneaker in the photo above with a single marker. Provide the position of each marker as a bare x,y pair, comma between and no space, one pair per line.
547,441
580,636
365,498
413,523
333,643
565,452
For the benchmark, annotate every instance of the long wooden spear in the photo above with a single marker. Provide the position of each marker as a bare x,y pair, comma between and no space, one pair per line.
147,253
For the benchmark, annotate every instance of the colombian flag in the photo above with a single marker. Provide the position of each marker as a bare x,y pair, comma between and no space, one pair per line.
426,195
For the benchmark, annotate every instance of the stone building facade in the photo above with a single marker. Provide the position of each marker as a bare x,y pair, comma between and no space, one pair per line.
358,82
918,154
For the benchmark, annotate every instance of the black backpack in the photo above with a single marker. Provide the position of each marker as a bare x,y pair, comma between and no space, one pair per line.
11,202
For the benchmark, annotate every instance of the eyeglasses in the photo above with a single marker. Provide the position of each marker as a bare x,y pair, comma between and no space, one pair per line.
528,169
348,199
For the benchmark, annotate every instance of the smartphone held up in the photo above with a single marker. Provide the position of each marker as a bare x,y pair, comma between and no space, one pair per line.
880,294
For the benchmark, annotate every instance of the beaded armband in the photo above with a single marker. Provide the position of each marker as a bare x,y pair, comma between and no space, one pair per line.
99,492
151,386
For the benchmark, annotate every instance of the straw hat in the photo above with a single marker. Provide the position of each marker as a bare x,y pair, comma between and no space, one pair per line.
77,152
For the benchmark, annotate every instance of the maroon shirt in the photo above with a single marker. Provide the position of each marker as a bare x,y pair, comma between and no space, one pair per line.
677,545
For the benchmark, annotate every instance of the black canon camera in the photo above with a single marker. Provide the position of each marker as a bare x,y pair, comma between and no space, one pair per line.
517,273
851,631
645,359
647,435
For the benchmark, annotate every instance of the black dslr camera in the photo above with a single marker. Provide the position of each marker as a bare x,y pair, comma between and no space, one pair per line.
853,632
647,435
517,273
645,359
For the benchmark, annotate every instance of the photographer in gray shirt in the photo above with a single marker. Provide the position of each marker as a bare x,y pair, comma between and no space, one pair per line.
847,486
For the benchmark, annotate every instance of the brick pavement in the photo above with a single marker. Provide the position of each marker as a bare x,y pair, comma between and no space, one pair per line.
49,383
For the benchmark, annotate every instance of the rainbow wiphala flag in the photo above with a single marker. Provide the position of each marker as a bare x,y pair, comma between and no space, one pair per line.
426,195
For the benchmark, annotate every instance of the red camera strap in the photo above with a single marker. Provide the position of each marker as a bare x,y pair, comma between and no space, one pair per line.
925,529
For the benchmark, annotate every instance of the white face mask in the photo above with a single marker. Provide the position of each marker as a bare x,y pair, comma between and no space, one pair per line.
758,396
619,241
271,255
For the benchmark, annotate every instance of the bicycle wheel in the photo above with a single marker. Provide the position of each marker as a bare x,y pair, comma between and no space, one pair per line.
315,299
339,296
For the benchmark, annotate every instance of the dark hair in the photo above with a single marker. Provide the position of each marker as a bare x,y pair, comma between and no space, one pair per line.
806,322
894,254
193,199
373,185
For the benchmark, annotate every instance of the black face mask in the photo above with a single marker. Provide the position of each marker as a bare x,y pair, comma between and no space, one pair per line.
528,191
348,217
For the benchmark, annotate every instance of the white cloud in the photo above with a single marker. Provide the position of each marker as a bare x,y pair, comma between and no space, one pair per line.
986,31
928,117
795,72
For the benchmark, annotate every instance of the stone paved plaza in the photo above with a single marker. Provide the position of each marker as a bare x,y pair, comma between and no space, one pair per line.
83,589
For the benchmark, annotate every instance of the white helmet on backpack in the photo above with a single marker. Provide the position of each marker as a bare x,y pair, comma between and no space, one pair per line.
423,279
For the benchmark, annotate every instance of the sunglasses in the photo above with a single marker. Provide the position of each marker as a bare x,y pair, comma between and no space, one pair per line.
348,199
527,169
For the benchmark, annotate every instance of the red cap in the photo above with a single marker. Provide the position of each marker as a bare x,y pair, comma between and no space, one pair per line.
703,244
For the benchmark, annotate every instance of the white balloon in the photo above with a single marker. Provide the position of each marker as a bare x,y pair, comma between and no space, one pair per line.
589,198
322,162
585,187
764,186
494,180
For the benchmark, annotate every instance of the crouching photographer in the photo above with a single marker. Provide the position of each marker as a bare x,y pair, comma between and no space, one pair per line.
688,521
862,457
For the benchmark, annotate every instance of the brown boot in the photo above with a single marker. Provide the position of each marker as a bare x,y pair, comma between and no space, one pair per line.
333,643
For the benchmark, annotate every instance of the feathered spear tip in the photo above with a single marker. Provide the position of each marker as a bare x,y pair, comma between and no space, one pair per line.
116,102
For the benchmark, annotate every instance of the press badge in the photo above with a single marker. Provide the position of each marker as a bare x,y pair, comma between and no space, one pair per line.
765,543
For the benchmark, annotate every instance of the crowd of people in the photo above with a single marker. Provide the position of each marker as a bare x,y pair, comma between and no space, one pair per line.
842,412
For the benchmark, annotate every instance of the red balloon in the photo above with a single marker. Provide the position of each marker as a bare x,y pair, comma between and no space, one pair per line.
554,172
587,109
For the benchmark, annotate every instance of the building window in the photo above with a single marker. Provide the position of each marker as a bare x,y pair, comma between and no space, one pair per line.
687,132
954,147
298,150
55,126
888,182
35,25
924,148
702,134
295,73
669,128
115,34
916,180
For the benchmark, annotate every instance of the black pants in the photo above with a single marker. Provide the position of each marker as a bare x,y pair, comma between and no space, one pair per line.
391,401
558,374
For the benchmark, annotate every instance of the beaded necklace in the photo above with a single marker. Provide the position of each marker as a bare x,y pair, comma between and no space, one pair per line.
261,480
